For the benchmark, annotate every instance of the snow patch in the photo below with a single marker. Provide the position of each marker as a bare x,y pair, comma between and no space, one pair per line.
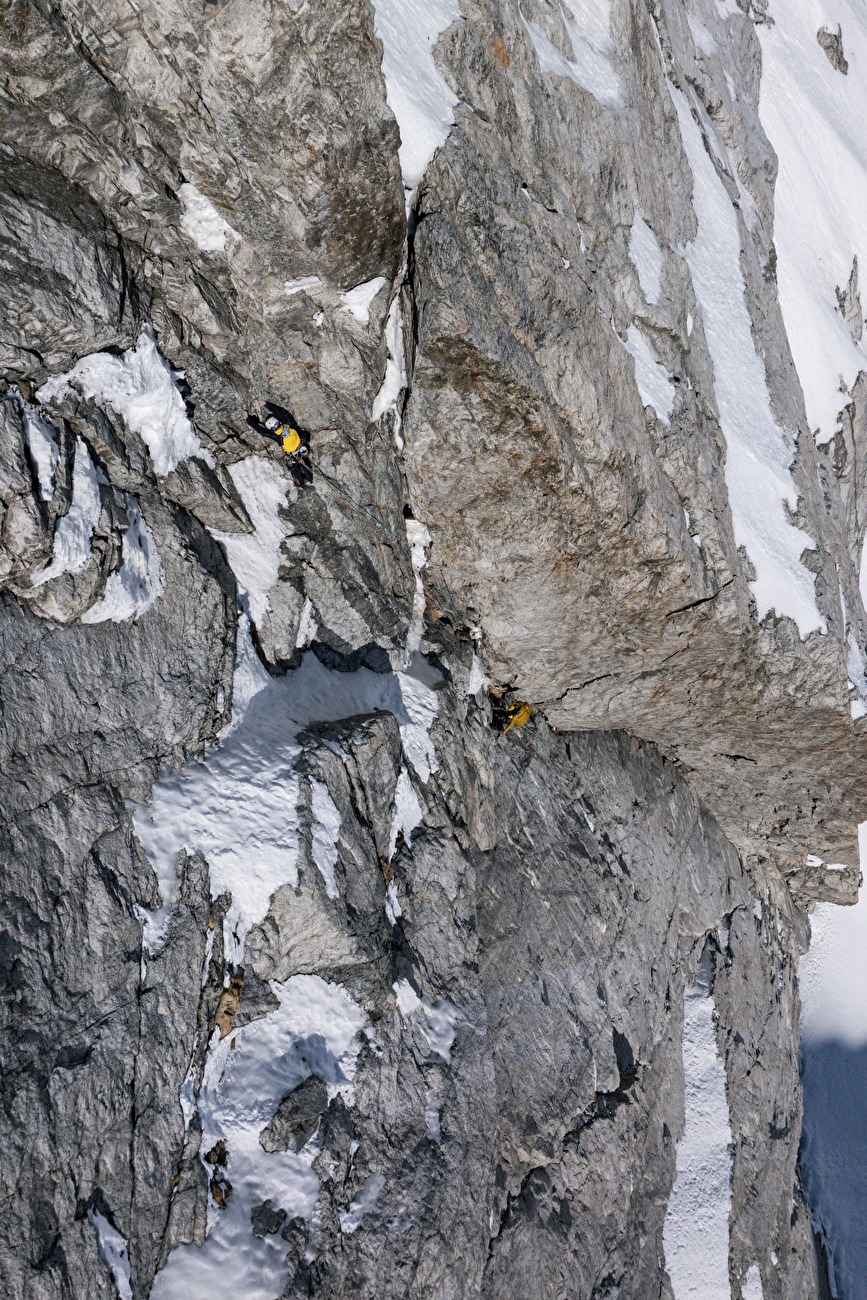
142,387
587,23
419,540
814,118
240,806
357,301
439,1019
478,678
696,1228
753,1285
647,258
114,1249
407,813
314,1031
74,531
307,625
301,285
652,379
416,92
255,557
394,381
420,707
759,454
42,444
326,835
202,222
139,582
364,1202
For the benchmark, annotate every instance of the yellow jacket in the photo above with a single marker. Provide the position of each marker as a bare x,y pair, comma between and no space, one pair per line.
291,440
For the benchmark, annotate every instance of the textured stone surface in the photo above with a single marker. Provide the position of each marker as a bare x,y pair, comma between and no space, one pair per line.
563,880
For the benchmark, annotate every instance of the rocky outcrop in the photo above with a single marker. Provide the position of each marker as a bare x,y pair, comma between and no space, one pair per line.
314,985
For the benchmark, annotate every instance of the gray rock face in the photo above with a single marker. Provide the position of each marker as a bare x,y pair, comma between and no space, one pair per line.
506,924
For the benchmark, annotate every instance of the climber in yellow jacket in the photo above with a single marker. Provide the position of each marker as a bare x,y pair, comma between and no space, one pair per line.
280,426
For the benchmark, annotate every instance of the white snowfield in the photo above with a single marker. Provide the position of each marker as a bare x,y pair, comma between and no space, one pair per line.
696,1228
587,23
759,453
814,117
415,89
202,222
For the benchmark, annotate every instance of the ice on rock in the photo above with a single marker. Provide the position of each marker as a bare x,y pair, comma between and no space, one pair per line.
255,557
115,1253
326,835
139,582
364,1202
74,531
42,444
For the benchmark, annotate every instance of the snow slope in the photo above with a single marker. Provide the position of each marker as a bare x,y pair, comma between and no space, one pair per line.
759,454
814,117
416,92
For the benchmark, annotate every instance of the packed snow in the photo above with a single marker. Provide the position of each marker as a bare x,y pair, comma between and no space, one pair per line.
326,835
43,447
74,531
139,582
814,117
587,23
407,814
416,92
114,1251
240,807
696,1228
647,258
357,301
752,1288
202,222
142,387
759,454
255,557
654,383
316,1031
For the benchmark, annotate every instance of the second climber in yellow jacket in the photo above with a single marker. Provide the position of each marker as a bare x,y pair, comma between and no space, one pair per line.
281,427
